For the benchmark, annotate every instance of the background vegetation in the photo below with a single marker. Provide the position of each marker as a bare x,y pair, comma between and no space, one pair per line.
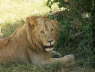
77,19
76,35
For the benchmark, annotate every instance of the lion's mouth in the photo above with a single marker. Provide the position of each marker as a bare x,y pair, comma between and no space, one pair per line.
49,48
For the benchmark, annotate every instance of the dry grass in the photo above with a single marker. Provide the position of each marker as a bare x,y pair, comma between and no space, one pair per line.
11,10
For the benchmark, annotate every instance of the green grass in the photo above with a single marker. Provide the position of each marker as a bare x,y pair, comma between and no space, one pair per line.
56,67
20,67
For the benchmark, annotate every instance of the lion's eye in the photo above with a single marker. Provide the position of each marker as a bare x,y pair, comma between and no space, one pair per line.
42,32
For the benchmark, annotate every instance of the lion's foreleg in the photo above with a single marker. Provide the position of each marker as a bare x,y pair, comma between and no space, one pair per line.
67,60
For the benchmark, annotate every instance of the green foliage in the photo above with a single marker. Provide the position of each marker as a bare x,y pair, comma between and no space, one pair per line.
76,33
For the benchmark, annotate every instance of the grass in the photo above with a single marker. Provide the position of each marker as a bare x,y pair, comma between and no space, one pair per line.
20,68
56,67
11,10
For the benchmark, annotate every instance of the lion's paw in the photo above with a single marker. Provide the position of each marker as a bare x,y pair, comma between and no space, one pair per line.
68,60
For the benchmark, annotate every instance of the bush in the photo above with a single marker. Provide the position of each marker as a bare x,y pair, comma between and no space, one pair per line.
75,37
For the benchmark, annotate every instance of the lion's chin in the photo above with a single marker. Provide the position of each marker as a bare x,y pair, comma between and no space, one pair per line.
49,49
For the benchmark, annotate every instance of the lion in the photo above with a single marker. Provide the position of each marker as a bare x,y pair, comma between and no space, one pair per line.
33,43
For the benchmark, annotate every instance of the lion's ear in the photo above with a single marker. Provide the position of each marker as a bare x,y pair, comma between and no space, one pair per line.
31,21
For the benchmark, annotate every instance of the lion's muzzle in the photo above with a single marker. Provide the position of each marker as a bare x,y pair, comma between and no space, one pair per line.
49,46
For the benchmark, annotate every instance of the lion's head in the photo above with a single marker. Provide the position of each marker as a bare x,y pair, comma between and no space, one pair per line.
42,32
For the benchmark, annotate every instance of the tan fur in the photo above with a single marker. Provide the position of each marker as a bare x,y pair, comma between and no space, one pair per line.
27,43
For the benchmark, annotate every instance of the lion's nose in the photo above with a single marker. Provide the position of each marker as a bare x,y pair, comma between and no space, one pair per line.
50,41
